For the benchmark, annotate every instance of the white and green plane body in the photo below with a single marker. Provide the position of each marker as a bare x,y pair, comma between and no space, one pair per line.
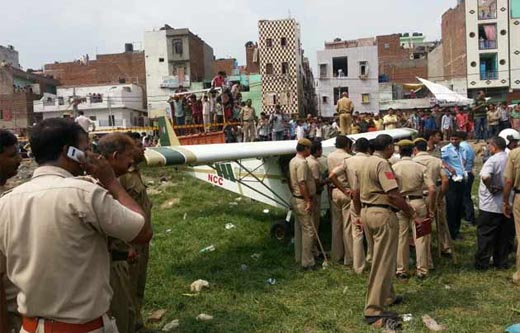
257,170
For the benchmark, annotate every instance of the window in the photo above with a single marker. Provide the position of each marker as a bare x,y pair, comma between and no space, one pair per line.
269,42
337,93
340,66
365,98
161,59
61,101
177,46
324,100
387,45
487,9
323,70
93,118
283,41
111,120
269,69
285,67
515,9
270,99
363,68
488,66
1,114
487,36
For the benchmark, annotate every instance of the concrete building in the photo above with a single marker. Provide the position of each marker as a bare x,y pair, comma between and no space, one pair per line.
493,47
173,58
18,90
9,56
281,65
350,66
109,106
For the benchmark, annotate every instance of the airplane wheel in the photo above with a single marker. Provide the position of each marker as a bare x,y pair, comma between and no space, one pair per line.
281,231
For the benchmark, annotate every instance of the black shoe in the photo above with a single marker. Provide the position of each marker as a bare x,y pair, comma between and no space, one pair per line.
421,276
402,276
382,316
446,254
309,268
397,300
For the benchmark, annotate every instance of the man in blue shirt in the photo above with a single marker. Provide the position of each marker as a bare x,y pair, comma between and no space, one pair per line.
469,211
429,123
453,156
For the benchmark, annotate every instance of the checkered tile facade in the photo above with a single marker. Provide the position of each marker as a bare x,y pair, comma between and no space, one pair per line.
286,88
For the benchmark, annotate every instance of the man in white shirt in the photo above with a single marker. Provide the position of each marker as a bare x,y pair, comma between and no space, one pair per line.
85,122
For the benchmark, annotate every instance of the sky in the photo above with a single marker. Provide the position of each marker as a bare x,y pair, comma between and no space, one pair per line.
64,30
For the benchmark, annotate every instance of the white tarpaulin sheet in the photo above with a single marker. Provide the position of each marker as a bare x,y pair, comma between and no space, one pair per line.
444,95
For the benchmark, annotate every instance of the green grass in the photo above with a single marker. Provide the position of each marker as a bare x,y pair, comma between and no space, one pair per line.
328,300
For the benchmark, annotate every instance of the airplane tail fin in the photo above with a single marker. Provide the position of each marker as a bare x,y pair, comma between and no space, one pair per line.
167,134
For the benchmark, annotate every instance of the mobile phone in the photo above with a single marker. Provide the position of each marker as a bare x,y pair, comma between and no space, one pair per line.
76,155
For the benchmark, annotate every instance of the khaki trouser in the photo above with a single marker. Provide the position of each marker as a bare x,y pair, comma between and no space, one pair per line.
122,307
516,214
303,234
341,228
444,232
383,230
316,219
358,248
345,122
422,245
249,131
138,273
15,322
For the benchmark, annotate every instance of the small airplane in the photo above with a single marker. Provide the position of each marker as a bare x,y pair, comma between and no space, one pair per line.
257,170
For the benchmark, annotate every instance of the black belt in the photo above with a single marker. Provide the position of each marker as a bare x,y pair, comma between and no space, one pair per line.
439,183
517,191
393,209
119,255
415,197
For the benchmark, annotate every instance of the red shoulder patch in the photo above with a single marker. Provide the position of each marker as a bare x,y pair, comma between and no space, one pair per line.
389,175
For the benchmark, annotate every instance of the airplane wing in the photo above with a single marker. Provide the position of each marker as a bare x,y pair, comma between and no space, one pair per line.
211,153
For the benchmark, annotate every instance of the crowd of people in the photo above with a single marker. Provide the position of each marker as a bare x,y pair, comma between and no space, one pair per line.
382,199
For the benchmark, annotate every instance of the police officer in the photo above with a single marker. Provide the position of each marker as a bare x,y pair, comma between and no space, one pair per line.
377,199
345,107
352,166
303,188
412,178
119,150
438,176
314,165
134,185
73,217
340,207
10,160
248,117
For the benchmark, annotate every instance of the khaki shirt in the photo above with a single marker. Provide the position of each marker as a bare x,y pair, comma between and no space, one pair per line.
247,113
390,121
344,105
53,236
300,172
375,180
314,165
512,171
337,159
433,165
412,177
351,168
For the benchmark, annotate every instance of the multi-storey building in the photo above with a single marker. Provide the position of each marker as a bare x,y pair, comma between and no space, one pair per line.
174,57
119,105
9,56
348,66
281,65
493,46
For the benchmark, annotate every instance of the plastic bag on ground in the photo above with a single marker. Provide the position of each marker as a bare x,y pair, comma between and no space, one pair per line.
432,324
204,317
513,328
172,325
197,286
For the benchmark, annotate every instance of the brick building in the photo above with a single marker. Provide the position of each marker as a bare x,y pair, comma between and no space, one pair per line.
18,90
224,65
118,68
454,42
252,58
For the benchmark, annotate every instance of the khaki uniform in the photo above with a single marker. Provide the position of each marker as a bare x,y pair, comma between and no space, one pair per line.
512,173
134,185
122,307
434,168
344,109
315,167
340,211
351,168
374,180
304,237
67,220
412,178
247,114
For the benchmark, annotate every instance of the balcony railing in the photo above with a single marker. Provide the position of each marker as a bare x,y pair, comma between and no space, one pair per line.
489,75
487,44
487,15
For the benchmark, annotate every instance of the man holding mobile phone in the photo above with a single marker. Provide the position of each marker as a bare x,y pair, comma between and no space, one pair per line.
54,229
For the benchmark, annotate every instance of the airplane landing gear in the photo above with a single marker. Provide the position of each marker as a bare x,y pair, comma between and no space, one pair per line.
282,231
